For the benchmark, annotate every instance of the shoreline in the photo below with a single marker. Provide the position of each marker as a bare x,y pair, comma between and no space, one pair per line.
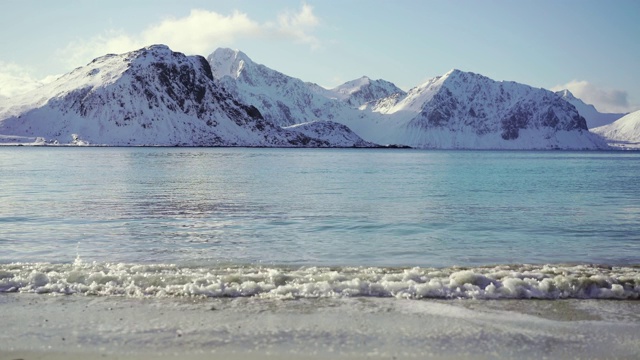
81,327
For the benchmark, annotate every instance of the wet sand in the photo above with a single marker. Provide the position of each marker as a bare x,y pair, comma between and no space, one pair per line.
82,327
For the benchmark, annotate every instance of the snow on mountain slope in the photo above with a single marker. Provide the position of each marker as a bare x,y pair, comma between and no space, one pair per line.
152,96
282,99
467,110
624,132
338,134
363,90
594,117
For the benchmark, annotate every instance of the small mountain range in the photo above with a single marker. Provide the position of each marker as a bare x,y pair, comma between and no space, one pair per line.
155,96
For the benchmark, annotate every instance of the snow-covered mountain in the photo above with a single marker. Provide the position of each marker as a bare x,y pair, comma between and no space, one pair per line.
456,110
467,110
287,100
363,90
624,132
281,98
152,96
589,112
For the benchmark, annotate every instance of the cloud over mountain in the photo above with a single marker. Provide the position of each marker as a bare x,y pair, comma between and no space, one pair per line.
16,79
200,32
605,100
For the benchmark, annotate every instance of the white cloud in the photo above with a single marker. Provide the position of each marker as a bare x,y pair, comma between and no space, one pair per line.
605,100
16,79
297,26
200,32
80,52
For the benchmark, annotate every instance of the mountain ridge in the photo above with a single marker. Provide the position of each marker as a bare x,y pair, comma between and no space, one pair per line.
162,97
414,118
151,96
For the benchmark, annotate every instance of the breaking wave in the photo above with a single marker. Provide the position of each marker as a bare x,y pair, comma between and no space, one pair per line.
495,282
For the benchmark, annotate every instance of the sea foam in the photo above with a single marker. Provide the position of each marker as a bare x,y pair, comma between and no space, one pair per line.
158,280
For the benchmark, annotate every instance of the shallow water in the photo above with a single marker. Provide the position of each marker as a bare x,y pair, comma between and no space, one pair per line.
304,223
318,207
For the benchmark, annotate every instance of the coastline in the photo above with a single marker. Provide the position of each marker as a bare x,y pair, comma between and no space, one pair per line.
75,327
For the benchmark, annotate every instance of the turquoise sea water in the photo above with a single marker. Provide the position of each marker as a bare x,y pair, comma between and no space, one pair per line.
304,213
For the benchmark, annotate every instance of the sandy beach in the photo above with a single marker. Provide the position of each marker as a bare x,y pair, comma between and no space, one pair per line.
74,327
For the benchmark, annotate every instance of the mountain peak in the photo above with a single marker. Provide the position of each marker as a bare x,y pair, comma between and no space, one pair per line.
158,48
228,62
156,51
228,54
455,80
589,112
362,90
460,74
352,85
567,95
453,72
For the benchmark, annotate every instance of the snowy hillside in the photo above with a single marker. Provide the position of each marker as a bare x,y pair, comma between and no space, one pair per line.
624,132
363,90
588,112
152,96
339,134
282,99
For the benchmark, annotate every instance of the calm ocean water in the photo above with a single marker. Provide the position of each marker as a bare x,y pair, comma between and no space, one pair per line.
136,210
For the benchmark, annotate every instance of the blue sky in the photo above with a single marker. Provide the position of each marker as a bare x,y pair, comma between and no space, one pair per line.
590,47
